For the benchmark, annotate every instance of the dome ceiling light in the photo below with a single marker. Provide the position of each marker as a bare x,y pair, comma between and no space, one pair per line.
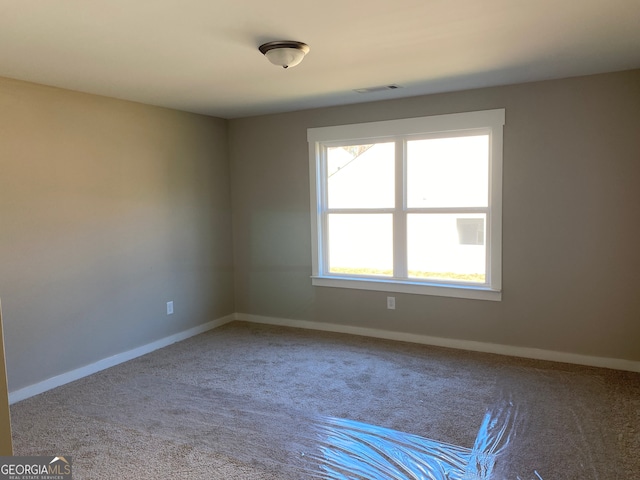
284,53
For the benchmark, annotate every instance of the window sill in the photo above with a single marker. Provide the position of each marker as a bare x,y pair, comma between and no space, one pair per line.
397,286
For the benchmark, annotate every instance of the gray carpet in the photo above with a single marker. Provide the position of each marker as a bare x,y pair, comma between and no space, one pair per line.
250,401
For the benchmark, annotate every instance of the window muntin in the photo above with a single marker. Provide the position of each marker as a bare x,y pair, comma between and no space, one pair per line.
409,205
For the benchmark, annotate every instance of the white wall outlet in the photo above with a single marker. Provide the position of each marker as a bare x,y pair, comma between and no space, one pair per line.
391,303
170,308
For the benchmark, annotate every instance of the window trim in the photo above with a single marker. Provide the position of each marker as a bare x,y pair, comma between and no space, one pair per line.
491,121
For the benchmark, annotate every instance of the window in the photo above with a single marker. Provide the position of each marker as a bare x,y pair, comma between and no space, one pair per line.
411,205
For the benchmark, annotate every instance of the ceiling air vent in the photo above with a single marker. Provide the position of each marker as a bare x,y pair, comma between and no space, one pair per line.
382,88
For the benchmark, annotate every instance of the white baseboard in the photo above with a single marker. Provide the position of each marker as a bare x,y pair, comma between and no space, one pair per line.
525,352
105,363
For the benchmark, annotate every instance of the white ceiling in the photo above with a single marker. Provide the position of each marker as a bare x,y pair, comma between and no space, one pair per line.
202,55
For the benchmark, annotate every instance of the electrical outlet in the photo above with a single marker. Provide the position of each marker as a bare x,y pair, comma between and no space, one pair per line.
391,303
170,308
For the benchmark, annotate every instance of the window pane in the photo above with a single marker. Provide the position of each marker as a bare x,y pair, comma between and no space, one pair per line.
361,244
361,176
447,247
448,172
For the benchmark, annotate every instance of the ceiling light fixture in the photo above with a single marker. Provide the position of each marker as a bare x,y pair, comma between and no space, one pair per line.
284,53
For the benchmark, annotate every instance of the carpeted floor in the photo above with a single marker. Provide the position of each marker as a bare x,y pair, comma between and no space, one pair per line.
249,401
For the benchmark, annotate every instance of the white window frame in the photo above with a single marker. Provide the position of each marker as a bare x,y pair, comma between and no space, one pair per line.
489,122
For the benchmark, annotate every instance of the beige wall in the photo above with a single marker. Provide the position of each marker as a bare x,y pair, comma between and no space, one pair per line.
571,230
108,209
